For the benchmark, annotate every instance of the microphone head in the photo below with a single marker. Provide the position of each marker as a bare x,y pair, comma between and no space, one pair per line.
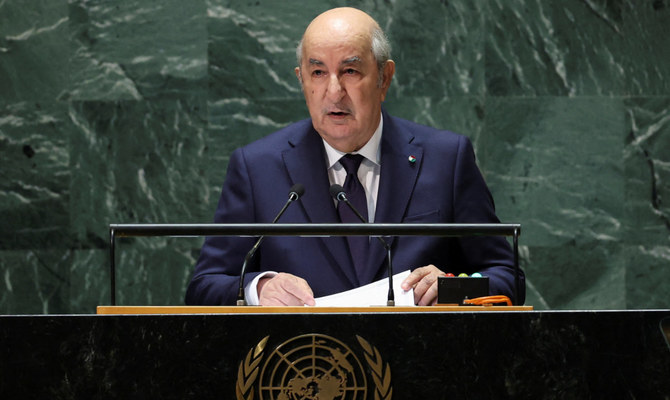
296,191
338,193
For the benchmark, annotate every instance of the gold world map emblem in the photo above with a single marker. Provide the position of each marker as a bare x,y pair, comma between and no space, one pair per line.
312,367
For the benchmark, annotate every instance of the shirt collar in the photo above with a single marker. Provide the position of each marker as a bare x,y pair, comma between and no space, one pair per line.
371,151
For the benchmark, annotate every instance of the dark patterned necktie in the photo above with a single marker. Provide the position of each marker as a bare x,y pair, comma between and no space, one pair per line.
358,245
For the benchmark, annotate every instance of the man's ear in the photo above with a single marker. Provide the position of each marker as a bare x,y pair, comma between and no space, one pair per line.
298,75
389,70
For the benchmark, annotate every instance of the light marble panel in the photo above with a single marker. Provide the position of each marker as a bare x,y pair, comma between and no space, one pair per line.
555,166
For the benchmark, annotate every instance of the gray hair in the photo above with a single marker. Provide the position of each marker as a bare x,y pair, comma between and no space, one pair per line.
381,50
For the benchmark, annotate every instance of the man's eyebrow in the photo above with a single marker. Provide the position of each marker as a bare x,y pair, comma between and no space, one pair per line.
351,60
347,61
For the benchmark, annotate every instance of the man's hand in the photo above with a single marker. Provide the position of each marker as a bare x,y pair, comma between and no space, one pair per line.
284,290
424,282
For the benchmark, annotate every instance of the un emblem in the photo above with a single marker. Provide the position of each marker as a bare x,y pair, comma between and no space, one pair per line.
312,367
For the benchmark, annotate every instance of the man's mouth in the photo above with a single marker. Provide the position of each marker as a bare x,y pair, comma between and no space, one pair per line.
338,113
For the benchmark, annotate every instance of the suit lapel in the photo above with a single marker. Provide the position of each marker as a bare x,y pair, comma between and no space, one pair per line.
305,163
397,179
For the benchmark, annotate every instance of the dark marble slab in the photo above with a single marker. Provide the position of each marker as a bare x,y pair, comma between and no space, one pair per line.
127,111
492,355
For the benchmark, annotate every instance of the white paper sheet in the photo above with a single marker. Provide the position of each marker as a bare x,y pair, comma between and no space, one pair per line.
373,294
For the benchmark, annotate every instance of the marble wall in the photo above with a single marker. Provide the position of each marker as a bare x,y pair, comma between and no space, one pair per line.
124,111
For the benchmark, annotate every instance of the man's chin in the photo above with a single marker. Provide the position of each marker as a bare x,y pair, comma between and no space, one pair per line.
339,130
342,140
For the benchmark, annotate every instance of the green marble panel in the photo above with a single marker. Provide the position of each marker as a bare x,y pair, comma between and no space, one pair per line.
438,47
153,271
579,275
33,50
88,280
554,164
647,276
137,162
522,55
35,172
647,53
588,46
647,170
647,188
236,122
35,281
462,114
140,161
573,48
136,49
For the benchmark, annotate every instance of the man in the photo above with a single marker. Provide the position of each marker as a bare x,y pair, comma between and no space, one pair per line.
409,173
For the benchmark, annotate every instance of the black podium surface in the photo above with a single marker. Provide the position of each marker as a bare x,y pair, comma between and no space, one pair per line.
423,355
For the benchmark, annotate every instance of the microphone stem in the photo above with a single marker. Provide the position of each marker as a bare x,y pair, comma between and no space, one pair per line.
391,297
355,211
291,198
241,301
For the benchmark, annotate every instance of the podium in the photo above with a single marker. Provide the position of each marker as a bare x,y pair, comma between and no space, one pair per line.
275,353
313,229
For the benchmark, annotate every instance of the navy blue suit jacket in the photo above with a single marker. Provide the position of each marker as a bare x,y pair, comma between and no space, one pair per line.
444,185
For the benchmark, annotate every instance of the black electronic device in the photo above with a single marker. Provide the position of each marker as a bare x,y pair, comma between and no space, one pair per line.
453,289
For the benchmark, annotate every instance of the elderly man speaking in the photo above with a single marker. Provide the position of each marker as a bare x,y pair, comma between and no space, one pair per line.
397,171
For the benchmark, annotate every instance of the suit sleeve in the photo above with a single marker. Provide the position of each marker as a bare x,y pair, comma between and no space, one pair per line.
492,256
216,276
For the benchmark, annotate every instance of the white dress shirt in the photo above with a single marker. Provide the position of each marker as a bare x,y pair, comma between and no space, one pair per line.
368,172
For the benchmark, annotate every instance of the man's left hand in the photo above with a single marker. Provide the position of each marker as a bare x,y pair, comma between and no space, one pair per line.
424,282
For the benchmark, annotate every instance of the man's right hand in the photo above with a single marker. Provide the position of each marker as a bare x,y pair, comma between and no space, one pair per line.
284,290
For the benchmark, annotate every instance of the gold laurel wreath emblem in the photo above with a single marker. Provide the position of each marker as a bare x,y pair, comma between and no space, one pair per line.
248,371
381,375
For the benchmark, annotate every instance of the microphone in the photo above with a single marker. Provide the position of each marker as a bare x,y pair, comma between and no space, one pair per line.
294,194
338,193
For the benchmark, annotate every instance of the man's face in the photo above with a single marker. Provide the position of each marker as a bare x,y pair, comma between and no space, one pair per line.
340,81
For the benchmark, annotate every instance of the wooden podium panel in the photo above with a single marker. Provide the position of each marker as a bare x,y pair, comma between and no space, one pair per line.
138,310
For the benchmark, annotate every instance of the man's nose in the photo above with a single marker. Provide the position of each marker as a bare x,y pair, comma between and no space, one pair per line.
335,89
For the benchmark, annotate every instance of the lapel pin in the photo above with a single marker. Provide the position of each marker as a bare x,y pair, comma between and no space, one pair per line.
411,159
